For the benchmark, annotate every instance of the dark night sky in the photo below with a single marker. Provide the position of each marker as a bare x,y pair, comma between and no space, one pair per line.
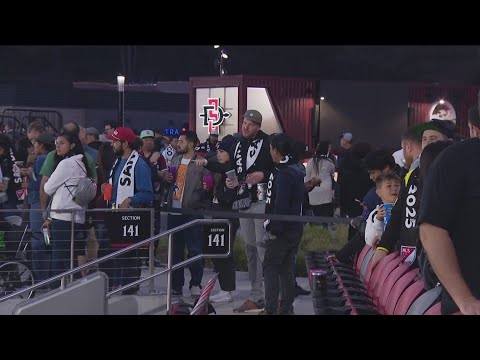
460,64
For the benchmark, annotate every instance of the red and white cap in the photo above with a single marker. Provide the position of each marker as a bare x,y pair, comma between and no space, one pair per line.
122,134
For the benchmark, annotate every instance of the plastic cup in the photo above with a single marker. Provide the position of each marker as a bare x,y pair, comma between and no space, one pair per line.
107,192
173,170
388,212
232,175
208,180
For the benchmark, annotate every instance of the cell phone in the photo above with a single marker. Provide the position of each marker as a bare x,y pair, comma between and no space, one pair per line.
46,236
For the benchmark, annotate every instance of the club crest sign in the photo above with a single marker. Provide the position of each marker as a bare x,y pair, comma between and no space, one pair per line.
214,115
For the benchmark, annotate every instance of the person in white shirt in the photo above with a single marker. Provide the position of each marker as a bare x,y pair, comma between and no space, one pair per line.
322,167
388,187
70,166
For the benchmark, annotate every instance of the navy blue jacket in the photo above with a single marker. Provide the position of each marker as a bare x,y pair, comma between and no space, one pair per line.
289,190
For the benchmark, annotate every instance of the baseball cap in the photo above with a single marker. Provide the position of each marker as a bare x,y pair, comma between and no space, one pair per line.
347,136
122,134
253,115
147,134
46,138
91,131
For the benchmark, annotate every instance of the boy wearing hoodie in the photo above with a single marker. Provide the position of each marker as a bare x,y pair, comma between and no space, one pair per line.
285,190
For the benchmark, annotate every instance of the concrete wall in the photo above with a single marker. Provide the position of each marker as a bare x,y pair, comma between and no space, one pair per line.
372,112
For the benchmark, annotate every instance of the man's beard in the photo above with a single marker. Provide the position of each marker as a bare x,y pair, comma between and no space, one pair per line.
179,151
119,152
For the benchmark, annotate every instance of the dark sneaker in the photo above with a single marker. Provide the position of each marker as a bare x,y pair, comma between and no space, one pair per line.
249,306
300,291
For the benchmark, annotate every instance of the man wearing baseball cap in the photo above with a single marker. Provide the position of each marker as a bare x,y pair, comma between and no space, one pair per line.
148,147
92,138
253,165
131,182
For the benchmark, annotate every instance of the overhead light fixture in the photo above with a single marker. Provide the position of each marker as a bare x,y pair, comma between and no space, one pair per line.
121,82
121,99
219,62
322,98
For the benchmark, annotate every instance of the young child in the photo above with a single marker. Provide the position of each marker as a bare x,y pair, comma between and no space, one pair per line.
388,187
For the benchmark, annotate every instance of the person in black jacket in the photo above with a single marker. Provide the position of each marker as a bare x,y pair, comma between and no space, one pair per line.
400,232
284,197
222,201
449,222
253,164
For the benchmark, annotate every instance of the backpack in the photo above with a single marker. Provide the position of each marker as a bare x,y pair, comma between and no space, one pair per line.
85,191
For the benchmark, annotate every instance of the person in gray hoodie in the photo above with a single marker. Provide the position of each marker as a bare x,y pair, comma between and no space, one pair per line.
285,190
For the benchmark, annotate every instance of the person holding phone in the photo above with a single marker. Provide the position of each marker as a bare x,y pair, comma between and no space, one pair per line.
42,144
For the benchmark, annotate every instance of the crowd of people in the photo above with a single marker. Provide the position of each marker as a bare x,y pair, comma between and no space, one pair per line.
422,204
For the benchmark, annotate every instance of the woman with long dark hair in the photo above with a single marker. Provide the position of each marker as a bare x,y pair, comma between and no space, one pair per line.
321,166
70,165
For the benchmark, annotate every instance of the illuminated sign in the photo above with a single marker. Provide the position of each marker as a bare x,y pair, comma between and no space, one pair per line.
214,115
443,110
172,131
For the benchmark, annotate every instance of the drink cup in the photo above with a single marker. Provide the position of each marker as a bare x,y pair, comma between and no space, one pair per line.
232,176
107,192
173,170
388,212
208,180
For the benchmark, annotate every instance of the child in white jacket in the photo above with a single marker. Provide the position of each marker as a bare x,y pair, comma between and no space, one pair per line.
388,187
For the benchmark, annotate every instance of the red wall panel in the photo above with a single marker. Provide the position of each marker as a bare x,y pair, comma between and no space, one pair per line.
422,97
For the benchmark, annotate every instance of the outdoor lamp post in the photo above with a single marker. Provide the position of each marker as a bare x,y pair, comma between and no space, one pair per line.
121,99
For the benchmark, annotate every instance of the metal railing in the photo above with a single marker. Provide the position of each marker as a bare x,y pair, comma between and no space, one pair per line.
149,241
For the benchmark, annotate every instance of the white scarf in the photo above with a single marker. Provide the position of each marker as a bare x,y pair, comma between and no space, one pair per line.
126,181
253,151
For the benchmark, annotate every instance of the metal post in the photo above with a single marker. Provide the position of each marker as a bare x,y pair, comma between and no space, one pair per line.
72,247
121,99
169,276
151,251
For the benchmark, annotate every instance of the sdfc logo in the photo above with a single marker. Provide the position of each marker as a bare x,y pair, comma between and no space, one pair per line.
214,115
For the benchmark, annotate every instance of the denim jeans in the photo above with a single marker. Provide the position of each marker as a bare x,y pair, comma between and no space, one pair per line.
191,238
108,267
278,266
60,232
40,252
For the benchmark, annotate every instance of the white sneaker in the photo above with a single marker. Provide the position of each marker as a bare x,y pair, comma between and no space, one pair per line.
222,297
195,291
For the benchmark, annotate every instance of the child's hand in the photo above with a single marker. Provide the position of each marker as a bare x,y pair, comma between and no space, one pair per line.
375,240
381,213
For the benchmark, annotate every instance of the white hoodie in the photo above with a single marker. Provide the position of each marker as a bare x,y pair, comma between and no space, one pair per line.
374,227
68,172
